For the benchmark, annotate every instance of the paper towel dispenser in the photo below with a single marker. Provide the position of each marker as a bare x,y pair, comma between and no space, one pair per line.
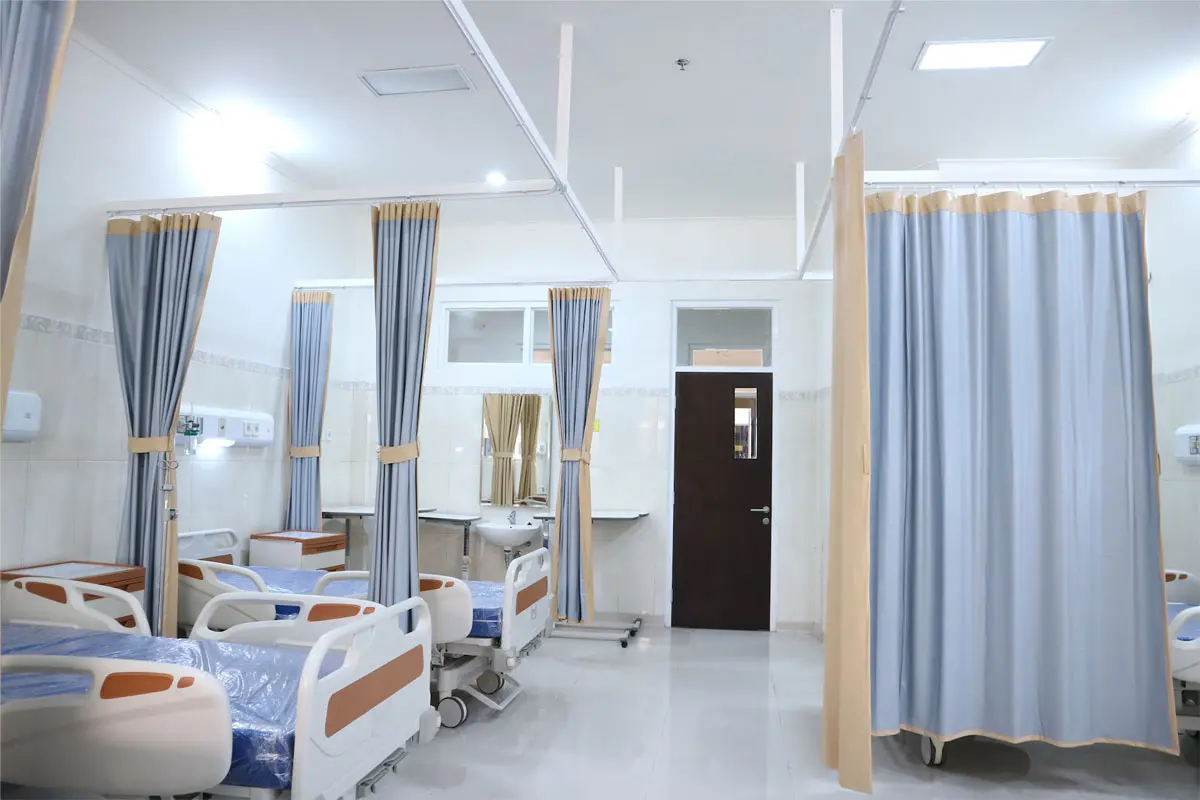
22,417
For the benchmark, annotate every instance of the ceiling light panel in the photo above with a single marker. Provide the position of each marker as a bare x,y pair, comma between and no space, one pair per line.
987,54
416,80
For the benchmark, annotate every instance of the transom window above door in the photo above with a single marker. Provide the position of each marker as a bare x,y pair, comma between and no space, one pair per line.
723,337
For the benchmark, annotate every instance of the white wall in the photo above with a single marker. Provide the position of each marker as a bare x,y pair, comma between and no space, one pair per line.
1173,245
110,138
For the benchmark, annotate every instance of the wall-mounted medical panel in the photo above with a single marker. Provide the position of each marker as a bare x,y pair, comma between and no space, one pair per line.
223,427
22,417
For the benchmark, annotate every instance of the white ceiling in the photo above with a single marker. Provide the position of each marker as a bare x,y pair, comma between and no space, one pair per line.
719,139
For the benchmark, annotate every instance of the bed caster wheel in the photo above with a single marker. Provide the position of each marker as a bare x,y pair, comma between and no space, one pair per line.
624,643
489,682
1193,734
932,752
453,712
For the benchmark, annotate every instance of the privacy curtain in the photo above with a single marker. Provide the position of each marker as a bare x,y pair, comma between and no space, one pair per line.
312,330
531,417
158,272
33,44
406,241
578,322
502,413
846,710
1016,577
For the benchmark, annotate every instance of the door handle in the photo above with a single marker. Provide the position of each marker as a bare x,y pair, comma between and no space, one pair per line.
763,510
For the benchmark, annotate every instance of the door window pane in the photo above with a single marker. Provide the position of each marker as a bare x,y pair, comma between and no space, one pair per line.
723,337
745,423
486,336
541,337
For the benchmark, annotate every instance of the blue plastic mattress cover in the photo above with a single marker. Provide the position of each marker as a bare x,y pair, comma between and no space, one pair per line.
292,581
487,602
262,684
1191,628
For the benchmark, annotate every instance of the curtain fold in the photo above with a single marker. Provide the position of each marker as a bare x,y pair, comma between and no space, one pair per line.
406,245
502,413
158,271
312,333
1014,448
578,324
531,417
846,708
33,46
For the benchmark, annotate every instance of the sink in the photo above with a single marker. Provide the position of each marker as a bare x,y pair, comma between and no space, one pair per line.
504,534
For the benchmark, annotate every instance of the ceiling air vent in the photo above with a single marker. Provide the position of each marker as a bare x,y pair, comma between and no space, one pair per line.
416,80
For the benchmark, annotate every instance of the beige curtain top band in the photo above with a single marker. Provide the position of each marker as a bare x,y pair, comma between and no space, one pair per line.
397,211
169,222
1006,201
151,444
576,454
308,451
399,454
311,296
578,293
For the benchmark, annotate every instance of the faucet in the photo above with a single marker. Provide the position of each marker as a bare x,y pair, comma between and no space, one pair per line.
512,517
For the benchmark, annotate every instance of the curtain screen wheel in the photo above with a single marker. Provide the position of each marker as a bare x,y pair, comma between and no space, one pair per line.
932,752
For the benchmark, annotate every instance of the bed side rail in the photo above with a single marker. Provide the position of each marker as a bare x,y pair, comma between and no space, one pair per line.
64,604
317,616
342,575
141,728
201,581
1182,587
354,718
527,596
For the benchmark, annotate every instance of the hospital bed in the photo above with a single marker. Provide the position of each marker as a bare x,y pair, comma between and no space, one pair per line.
322,704
481,630
1183,633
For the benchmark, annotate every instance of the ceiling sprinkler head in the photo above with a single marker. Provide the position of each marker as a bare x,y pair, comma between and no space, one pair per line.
682,63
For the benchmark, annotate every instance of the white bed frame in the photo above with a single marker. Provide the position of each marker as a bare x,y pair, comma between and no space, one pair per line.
196,593
1183,587
352,726
61,603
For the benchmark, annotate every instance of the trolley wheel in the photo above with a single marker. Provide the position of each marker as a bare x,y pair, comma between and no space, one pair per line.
453,712
489,682
1193,734
624,643
931,754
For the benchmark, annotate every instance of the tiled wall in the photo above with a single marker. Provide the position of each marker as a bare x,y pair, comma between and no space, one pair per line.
1177,403
63,492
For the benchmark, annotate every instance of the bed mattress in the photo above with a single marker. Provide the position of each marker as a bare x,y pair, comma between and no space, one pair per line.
261,682
487,602
1191,630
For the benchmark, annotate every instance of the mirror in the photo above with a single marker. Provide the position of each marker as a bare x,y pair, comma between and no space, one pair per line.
515,457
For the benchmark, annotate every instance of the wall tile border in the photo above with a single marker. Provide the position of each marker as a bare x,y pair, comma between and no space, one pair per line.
70,330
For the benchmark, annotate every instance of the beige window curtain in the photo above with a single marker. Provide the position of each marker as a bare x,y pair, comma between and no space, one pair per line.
502,412
531,415
846,710
34,44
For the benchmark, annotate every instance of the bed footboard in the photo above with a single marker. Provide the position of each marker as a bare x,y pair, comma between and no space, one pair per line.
64,603
1185,656
527,598
356,717
140,728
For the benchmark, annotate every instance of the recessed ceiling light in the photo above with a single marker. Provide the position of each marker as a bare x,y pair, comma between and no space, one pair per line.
416,80
496,178
986,54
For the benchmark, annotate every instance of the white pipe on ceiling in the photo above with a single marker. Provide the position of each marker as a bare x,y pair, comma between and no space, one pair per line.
562,128
331,197
863,97
470,31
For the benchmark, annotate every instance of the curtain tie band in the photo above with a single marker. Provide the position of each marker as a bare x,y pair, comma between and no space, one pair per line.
576,454
498,454
399,453
150,444
307,451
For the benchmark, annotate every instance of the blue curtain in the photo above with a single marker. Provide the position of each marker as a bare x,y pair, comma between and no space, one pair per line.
578,320
406,238
312,331
1016,581
158,272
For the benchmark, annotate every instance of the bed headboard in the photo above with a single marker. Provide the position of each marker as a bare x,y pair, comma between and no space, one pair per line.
215,543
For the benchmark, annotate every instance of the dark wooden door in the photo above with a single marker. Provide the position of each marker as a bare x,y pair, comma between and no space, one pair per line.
721,556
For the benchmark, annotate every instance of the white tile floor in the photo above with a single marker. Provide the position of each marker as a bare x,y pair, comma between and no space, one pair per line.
705,714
